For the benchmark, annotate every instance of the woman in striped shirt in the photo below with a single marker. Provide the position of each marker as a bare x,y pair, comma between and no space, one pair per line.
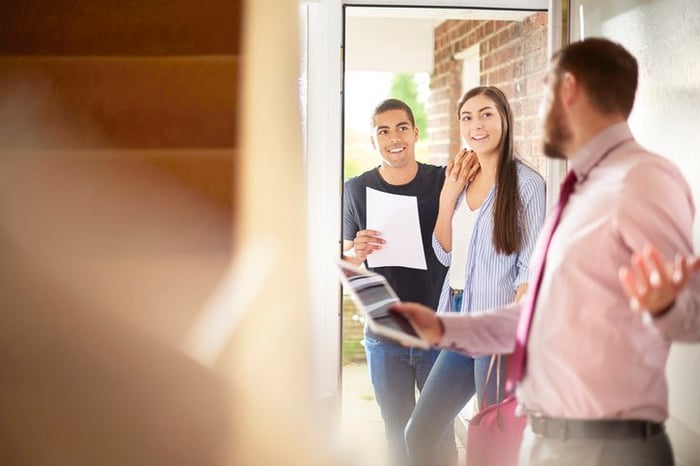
485,232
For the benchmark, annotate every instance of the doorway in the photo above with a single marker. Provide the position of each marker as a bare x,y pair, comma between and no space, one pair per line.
427,57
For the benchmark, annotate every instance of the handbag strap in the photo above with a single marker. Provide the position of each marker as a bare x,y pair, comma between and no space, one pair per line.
497,359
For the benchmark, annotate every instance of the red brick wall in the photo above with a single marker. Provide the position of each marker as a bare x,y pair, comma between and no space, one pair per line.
513,56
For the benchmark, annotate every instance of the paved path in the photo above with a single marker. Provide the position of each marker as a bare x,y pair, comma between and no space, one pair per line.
362,429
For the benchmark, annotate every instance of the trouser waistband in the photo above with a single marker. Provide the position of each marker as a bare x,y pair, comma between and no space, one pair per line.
577,428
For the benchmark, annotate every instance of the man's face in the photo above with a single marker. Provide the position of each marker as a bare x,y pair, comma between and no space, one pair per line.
394,138
557,133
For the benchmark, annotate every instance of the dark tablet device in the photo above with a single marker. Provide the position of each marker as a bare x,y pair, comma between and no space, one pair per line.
374,297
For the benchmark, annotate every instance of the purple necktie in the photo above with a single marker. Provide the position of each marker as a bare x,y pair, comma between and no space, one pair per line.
517,360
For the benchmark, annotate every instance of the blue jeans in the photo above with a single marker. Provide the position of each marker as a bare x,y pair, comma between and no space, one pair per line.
395,371
450,385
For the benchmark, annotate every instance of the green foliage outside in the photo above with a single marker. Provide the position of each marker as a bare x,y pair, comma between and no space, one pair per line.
353,351
360,157
404,87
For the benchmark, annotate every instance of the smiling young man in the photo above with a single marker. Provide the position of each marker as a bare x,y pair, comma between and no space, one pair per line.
394,370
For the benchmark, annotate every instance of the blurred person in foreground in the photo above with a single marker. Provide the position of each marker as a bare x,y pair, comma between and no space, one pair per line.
592,379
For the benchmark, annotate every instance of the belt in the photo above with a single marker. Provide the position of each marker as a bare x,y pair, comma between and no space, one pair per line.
576,428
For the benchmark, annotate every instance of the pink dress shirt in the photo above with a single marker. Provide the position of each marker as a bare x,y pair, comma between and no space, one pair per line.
589,356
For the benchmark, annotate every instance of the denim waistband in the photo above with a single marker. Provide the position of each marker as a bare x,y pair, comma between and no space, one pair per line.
454,292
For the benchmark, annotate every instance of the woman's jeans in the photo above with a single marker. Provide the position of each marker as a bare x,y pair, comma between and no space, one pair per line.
450,385
395,371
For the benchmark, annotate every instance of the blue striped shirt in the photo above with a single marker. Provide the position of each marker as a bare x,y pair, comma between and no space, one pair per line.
491,278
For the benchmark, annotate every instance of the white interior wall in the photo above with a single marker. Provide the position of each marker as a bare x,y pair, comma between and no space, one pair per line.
664,36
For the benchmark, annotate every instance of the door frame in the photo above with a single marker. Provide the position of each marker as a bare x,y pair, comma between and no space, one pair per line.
324,66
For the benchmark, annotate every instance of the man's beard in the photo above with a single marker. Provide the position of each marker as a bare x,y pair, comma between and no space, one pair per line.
552,151
557,133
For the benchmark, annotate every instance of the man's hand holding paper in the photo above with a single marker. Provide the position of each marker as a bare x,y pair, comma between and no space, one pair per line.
366,242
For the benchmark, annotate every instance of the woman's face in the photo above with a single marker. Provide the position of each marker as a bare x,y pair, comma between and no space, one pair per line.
481,125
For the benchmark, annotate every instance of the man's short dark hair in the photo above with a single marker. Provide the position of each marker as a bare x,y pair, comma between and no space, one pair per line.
605,69
393,104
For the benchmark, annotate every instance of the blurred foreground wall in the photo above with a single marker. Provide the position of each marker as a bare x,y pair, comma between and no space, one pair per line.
150,192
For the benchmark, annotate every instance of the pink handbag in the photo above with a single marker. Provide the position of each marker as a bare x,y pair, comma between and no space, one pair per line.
495,432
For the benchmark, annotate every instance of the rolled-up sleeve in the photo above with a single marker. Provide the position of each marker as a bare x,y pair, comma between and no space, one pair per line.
482,333
682,322
443,256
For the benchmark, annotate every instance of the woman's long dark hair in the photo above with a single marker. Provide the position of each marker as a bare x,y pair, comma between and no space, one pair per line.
507,231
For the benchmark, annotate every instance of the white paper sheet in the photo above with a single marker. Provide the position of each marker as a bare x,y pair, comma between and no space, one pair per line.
396,217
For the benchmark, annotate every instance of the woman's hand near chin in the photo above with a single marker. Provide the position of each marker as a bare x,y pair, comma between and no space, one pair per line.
461,169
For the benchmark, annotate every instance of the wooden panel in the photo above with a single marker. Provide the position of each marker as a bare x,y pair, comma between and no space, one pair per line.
210,172
146,235
121,202
82,386
120,27
118,102
117,133
206,172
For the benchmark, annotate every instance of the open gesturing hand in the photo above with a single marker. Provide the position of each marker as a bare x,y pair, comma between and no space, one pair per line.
652,283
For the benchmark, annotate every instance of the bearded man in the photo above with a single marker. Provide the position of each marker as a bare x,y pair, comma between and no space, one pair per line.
589,368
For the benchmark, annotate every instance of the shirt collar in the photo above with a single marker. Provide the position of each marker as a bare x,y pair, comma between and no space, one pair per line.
591,153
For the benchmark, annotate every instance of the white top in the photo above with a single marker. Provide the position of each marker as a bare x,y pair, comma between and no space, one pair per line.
492,278
463,221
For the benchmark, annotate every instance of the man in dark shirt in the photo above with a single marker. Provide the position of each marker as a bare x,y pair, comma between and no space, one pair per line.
394,370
